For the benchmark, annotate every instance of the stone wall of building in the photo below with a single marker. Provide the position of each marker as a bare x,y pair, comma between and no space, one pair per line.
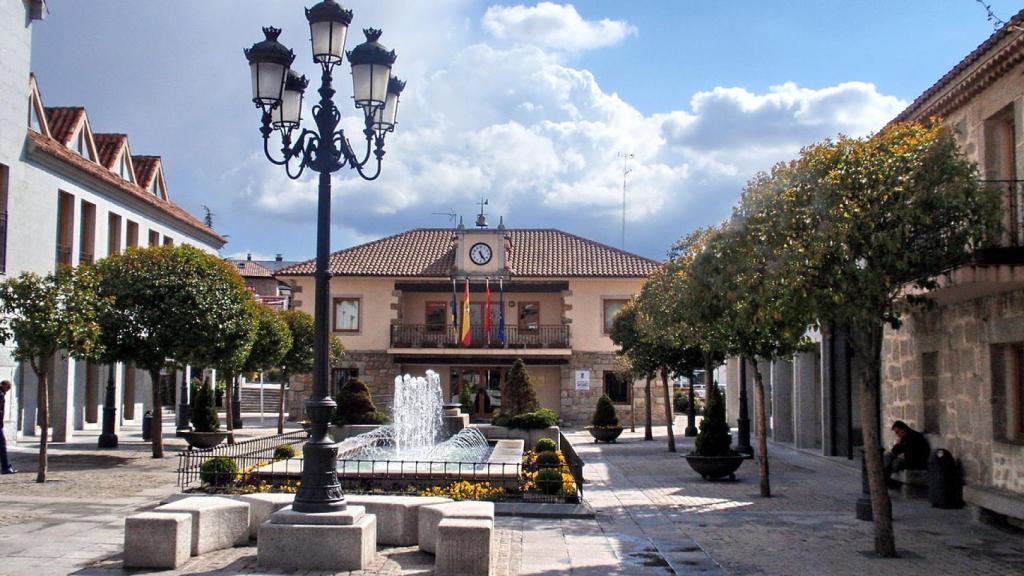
944,372
376,369
577,406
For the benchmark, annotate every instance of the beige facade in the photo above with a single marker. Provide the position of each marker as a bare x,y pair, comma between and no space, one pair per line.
556,324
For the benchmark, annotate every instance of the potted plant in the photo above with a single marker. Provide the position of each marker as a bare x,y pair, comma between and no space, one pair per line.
712,456
604,426
205,431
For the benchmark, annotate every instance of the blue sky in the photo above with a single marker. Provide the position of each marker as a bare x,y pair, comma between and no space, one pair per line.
524,104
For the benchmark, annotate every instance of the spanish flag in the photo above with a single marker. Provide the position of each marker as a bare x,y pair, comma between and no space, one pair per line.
464,335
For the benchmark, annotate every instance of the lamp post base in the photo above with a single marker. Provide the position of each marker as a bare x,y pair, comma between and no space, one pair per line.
108,439
690,431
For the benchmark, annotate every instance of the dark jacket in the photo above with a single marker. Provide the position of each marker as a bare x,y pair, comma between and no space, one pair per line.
915,450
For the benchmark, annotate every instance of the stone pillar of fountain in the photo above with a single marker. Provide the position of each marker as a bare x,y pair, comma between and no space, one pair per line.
454,420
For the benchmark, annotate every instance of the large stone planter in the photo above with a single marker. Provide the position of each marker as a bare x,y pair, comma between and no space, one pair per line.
715,467
604,434
204,440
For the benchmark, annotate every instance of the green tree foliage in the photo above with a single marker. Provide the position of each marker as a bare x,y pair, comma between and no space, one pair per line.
44,316
355,405
714,438
172,303
273,340
604,414
466,400
299,357
204,411
518,396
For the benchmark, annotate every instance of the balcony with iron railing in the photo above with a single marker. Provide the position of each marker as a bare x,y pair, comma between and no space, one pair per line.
1010,249
447,336
63,255
85,258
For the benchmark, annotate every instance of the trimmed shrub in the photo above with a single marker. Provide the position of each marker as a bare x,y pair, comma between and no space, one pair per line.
604,414
355,405
466,399
714,438
542,418
284,452
204,413
518,396
680,401
549,480
218,471
545,445
548,460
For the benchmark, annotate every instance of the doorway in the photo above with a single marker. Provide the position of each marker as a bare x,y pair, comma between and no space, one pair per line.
484,384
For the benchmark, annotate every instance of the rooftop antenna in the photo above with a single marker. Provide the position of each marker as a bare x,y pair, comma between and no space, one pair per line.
450,214
481,219
626,157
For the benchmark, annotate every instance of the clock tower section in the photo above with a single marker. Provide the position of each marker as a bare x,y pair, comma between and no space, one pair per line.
481,252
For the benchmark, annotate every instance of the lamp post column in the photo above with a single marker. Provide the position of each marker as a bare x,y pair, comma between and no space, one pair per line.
743,423
108,438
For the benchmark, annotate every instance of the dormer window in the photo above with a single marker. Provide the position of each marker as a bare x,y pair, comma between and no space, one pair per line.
157,188
124,169
80,144
33,116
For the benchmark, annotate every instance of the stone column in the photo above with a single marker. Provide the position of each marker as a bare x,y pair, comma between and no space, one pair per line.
732,390
62,402
807,399
29,394
782,401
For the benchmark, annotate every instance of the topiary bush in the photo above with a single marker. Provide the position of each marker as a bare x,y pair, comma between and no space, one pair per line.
218,471
355,405
518,396
714,437
204,412
545,445
466,399
680,401
548,460
542,418
604,414
549,481
284,452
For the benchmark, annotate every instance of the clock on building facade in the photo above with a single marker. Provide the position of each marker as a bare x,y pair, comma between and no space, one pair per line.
480,253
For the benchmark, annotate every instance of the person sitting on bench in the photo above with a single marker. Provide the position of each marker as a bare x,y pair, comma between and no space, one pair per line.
909,453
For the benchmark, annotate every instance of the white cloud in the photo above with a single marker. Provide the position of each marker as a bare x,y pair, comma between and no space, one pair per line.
555,26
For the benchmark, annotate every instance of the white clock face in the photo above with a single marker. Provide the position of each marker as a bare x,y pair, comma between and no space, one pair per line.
480,253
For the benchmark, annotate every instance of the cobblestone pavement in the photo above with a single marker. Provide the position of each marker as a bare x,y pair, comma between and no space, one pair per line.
808,527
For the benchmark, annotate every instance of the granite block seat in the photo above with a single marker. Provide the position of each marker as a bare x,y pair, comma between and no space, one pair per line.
397,516
432,515
913,483
261,506
157,540
333,541
217,522
463,547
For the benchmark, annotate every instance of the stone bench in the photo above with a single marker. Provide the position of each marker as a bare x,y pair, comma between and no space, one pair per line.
261,506
463,547
217,522
432,515
913,483
157,540
993,504
333,541
397,516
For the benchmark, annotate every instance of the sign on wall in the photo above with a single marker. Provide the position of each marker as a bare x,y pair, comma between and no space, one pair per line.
583,380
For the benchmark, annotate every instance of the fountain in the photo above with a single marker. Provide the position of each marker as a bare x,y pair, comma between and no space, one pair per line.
418,430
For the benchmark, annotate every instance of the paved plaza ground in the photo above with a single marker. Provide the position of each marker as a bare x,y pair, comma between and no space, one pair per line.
654,516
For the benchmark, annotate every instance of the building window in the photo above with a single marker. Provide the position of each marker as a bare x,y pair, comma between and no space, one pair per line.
133,234
113,234
930,391
436,315
1008,392
611,307
616,387
5,174
529,316
125,169
87,233
168,241
1015,395
154,238
346,314
65,227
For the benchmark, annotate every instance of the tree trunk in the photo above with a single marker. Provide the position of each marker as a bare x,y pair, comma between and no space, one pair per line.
229,405
280,405
668,411
762,432
157,426
881,506
648,430
43,400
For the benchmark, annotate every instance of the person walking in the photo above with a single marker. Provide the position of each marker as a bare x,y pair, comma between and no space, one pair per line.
5,465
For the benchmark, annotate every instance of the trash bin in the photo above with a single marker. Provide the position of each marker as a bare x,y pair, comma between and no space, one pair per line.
147,425
945,490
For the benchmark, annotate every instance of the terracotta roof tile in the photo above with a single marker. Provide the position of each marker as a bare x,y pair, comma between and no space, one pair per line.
61,152
108,146
917,106
63,121
145,169
251,269
532,253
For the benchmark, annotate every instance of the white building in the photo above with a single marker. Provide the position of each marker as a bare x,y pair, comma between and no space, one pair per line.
69,195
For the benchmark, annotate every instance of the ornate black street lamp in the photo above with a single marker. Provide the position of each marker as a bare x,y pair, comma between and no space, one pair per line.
278,92
743,422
